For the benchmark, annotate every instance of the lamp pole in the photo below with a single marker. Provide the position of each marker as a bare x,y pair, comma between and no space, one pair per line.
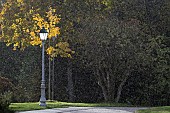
52,96
49,79
43,36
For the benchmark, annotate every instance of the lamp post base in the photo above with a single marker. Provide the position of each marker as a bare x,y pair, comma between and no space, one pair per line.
42,98
43,104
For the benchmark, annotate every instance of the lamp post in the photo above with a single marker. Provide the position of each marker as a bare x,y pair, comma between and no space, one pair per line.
43,37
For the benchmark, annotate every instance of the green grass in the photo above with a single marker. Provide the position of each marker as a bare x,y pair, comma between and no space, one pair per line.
35,105
164,109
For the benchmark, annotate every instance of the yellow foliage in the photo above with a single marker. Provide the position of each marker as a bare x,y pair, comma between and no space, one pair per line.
5,7
13,26
16,44
19,1
35,18
57,30
62,49
69,56
32,34
62,45
17,20
14,48
8,44
27,23
50,24
27,30
39,24
53,10
36,41
2,12
16,35
50,50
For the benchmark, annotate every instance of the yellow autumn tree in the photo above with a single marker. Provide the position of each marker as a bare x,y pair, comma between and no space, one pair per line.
21,23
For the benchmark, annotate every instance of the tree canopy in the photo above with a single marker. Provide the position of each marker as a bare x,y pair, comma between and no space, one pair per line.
21,22
121,48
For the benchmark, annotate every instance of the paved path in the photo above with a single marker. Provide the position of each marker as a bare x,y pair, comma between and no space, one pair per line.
87,110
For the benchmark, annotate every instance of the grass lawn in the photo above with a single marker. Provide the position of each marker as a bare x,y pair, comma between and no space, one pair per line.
164,109
55,104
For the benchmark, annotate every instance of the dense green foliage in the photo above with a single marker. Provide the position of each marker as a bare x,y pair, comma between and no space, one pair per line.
122,54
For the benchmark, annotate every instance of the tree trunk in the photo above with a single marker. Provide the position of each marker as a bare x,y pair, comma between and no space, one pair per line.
101,84
70,82
109,77
120,89
110,86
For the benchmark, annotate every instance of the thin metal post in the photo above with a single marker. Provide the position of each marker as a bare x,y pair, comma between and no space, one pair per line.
52,93
49,79
53,81
42,98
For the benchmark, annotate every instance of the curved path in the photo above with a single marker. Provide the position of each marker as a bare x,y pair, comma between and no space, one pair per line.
87,110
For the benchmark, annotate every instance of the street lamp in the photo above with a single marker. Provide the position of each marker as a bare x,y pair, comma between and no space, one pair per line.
43,37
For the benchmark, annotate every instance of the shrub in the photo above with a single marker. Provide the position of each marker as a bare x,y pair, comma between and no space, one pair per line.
5,94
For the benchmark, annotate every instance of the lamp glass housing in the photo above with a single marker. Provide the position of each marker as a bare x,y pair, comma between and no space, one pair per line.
43,34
